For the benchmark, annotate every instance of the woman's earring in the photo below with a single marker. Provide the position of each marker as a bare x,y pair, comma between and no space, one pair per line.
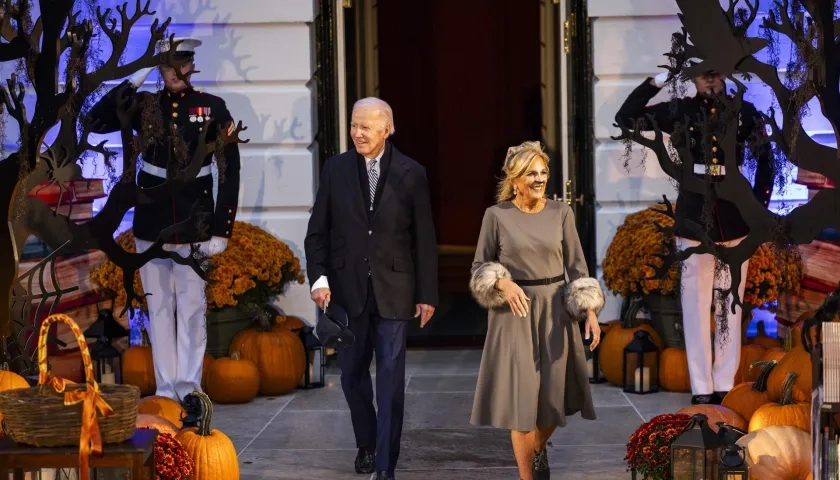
514,191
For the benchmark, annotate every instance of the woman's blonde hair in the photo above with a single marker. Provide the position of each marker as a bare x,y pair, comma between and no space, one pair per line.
518,161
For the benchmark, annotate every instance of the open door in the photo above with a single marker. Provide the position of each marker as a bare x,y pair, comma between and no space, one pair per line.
568,131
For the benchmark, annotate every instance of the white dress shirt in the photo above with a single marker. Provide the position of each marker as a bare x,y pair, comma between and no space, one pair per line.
322,280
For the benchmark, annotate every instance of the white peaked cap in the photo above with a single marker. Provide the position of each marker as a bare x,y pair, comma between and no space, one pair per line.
186,45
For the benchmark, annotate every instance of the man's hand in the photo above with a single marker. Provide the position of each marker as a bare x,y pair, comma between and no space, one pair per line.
425,313
321,297
216,246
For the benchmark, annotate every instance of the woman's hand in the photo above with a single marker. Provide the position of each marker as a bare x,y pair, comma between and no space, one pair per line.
593,329
515,297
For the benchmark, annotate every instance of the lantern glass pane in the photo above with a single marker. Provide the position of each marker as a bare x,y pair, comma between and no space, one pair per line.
631,367
315,370
651,362
712,463
688,463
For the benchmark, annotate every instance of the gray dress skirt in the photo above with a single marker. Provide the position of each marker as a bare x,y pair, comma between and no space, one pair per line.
533,370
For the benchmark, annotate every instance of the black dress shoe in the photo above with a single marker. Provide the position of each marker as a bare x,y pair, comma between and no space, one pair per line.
364,461
383,476
719,397
541,470
703,399
192,408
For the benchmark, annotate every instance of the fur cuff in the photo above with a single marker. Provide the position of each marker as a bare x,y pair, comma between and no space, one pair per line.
584,294
483,284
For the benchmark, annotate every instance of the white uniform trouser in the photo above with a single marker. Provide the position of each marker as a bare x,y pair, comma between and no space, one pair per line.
177,328
698,284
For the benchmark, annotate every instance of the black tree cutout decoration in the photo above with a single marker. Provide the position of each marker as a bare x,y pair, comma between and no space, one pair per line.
66,29
716,38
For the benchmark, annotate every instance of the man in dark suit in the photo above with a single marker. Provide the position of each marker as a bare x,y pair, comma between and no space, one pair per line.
371,248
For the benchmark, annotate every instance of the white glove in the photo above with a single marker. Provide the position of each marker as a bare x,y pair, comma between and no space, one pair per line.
660,79
138,78
216,245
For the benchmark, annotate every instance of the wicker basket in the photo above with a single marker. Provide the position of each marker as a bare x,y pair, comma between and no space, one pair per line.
38,416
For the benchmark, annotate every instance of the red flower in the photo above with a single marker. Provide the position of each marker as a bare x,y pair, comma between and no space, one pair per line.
649,447
171,460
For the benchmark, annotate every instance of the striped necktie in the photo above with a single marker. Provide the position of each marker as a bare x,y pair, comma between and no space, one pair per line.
373,177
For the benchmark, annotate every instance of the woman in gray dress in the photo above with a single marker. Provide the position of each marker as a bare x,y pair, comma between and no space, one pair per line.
529,272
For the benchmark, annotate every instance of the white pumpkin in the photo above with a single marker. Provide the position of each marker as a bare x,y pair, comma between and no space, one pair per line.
778,453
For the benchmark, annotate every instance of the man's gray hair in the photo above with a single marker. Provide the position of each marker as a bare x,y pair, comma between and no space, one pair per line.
381,106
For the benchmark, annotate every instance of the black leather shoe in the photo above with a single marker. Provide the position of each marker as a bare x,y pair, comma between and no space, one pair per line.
364,461
192,408
719,397
382,476
703,399
541,470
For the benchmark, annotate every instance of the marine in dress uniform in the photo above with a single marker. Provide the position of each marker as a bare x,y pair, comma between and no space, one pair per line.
709,381
177,304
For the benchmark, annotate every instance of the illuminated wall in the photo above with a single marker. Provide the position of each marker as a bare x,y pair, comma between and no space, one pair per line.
629,38
257,55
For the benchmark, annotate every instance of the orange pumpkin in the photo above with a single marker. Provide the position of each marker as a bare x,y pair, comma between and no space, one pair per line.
785,412
612,346
156,422
139,367
164,407
233,380
10,381
797,360
716,414
278,354
212,452
673,370
745,398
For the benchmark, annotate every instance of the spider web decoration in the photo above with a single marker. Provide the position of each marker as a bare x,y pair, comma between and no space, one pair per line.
714,38
73,30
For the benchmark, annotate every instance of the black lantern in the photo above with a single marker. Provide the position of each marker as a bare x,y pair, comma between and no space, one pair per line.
107,360
733,464
316,360
694,454
592,364
641,364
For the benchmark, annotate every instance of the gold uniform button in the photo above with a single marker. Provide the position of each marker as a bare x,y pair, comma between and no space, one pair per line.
767,191
175,105
175,114
714,149
714,138
714,160
691,128
713,110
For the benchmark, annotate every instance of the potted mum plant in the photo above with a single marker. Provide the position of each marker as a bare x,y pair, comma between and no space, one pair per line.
254,269
635,247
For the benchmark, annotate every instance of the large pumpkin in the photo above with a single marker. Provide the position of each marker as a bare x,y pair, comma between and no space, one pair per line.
745,398
673,370
777,453
611,358
164,407
715,414
278,354
233,380
784,412
156,422
212,452
139,367
797,360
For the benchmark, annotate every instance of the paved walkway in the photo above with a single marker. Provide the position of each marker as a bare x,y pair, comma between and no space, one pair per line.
307,434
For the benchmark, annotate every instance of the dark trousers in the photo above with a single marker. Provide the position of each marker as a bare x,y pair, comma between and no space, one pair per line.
387,338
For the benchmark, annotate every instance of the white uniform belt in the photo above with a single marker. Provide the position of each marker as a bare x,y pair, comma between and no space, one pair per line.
161,172
715,170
